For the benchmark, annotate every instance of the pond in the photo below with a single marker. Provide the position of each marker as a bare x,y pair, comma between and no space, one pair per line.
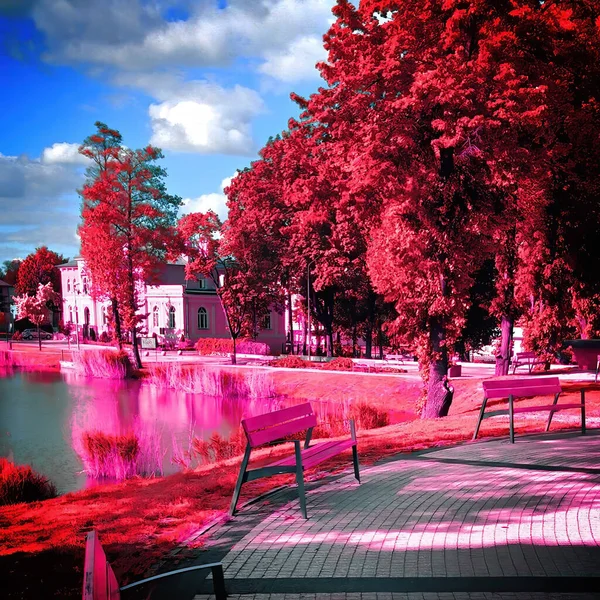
42,413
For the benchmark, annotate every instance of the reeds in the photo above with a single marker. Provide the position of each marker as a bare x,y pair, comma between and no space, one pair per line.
106,364
20,483
213,382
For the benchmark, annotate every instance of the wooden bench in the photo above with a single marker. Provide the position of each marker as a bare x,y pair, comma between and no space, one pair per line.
528,359
278,424
100,583
525,388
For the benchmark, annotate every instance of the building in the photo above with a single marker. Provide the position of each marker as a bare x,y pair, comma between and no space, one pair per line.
6,295
172,307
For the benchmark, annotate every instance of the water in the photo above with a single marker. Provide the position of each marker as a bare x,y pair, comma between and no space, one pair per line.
41,412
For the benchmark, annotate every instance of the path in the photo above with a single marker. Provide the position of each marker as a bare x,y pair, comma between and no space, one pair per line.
484,520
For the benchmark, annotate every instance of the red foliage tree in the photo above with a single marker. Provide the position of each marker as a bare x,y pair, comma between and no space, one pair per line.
128,227
39,267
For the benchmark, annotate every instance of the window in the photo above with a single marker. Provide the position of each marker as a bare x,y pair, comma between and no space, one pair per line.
68,285
76,315
155,316
86,315
202,284
104,316
70,314
266,321
202,318
172,317
85,288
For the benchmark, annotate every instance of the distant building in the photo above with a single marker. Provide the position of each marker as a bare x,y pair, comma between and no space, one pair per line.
173,306
6,295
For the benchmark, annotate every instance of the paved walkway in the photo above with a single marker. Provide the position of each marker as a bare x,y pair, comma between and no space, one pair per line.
483,520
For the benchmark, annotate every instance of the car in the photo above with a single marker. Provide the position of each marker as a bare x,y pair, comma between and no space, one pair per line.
32,334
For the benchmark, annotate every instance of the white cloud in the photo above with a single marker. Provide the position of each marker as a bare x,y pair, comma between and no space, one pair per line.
217,202
63,153
297,62
134,35
38,204
198,116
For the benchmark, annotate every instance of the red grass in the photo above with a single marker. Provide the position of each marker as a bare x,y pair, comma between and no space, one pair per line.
106,364
19,483
141,520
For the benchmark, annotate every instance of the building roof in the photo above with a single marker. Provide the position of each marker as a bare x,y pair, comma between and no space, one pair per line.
71,263
4,284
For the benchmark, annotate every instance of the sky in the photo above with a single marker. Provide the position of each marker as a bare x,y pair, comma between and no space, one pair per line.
208,81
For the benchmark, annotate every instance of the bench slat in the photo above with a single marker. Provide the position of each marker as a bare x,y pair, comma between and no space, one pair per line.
492,384
276,417
264,436
316,454
522,392
99,581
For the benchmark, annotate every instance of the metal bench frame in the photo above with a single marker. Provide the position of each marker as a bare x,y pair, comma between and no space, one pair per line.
525,388
100,583
278,424
528,359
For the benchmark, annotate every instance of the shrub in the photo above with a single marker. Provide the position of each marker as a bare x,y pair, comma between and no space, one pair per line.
291,362
218,448
17,335
104,338
209,346
339,364
19,483
107,364
369,417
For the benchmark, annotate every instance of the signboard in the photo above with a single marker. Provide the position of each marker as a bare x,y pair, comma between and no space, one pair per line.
148,343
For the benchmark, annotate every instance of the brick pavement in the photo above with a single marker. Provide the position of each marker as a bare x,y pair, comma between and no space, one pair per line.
482,520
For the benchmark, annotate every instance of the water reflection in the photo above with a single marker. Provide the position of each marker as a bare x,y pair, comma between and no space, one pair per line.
40,413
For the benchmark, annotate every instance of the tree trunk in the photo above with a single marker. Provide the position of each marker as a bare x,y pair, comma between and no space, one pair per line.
506,337
368,341
136,350
439,393
329,339
290,320
39,338
234,353
117,320
305,336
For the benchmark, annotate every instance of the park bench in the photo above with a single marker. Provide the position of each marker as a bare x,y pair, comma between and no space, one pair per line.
100,583
528,359
525,388
274,426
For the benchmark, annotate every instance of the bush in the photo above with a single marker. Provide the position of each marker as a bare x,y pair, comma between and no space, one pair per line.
339,364
369,417
19,483
106,364
291,362
16,336
218,448
209,346
104,338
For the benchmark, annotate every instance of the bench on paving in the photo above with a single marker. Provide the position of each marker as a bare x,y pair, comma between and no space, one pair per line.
100,583
528,359
525,388
275,426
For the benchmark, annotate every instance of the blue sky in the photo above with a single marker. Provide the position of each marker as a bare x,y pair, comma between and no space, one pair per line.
208,81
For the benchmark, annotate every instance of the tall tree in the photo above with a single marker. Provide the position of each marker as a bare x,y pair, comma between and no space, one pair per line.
128,228
10,271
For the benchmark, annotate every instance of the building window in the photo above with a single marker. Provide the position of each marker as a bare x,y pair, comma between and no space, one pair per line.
202,284
86,315
155,316
172,317
68,285
85,287
202,318
266,321
104,316
76,315
70,314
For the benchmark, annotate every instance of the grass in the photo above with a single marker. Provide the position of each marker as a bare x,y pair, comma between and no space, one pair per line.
141,520
19,483
105,364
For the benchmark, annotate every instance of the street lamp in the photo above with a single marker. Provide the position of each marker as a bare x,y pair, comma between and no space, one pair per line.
76,293
312,262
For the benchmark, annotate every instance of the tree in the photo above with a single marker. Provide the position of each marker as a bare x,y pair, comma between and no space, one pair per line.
128,228
10,271
39,268
36,308
238,288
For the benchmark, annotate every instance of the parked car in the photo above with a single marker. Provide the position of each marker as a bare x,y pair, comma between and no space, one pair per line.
32,334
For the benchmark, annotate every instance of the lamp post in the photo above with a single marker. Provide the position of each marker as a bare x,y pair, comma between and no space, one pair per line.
76,293
312,262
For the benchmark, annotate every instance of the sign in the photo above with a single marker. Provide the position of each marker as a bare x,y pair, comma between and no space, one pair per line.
148,343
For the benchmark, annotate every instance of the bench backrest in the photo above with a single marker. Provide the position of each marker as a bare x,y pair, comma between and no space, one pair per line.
99,581
278,424
519,388
526,355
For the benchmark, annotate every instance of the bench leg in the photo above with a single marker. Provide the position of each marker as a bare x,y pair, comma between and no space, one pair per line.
240,480
551,413
219,582
481,412
511,419
582,412
355,462
300,479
